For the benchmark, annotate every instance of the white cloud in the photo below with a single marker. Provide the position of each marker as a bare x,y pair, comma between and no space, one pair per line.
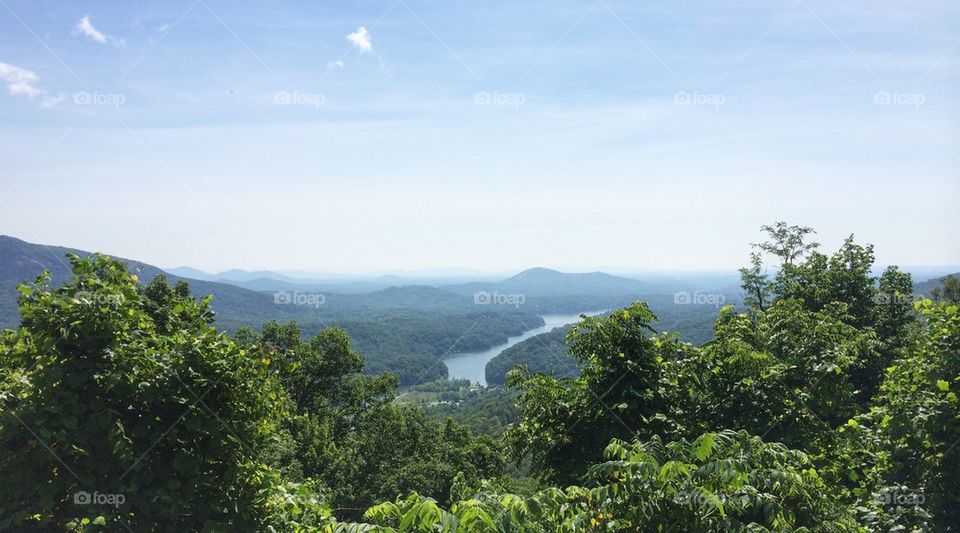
20,80
334,65
85,27
361,39
163,28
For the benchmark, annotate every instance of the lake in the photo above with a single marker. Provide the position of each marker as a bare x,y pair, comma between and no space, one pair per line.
473,365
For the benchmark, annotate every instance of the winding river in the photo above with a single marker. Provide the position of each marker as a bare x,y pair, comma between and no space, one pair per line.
473,365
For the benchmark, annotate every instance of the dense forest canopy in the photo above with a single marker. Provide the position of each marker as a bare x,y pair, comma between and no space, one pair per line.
827,403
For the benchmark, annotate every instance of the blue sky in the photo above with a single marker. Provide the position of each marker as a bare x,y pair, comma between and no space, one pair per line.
388,134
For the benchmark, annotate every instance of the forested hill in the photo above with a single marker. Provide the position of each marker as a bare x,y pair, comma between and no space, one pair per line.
553,291
926,288
545,353
548,282
404,330
21,260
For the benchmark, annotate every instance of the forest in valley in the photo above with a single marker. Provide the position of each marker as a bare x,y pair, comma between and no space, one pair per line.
826,401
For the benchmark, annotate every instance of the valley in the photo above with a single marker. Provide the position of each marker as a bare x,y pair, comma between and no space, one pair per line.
417,331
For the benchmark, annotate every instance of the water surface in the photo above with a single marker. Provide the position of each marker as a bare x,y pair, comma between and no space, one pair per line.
473,365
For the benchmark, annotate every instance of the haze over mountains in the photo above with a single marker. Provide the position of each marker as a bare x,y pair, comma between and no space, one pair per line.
408,323
401,324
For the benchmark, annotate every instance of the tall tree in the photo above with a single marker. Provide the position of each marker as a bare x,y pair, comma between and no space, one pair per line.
126,408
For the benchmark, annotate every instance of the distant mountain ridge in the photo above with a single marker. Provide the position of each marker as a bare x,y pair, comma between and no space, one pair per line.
546,282
926,287
23,261
388,321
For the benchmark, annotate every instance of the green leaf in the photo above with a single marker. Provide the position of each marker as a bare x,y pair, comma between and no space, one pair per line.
703,446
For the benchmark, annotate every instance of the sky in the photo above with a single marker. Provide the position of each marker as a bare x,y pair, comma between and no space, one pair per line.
406,134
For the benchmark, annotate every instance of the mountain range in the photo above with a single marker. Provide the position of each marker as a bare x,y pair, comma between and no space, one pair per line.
244,297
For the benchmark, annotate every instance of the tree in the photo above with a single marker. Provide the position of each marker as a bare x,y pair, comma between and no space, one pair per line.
917,418
787,242
819,281
785,374
948,291
725,481
630,384
399,450
346,434
125,408
758,289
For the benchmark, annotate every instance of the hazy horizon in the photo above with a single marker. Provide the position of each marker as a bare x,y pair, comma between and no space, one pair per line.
464,272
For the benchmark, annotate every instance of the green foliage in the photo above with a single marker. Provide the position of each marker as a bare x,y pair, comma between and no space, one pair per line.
629,385
544,354
819,281
948,291
785,373
758,289
788,243
347,434
842,401
129,394
412,346
727,481
488,411
917,417
410,369
396,450
443,385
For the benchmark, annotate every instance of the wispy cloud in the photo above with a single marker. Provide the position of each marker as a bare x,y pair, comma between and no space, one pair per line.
20,81
361,39
23,82
334,65
86,28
